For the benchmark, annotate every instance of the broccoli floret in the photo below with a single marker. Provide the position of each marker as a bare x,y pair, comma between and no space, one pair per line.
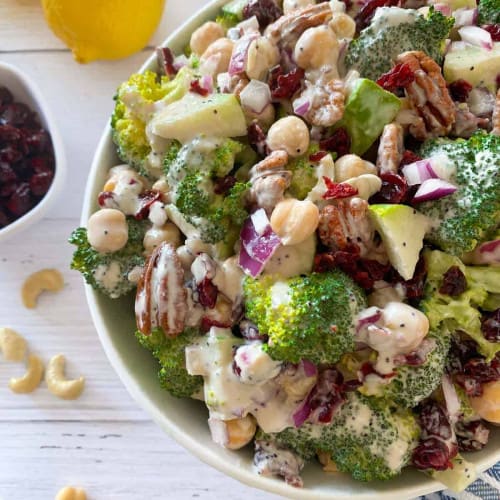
467,216
307,317
461,312
375,50
304,176
170,352
231,14
489,12
135,100
194,173
367,438
412,384
94,265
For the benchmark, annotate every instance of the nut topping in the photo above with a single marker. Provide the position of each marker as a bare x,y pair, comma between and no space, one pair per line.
391,148
429,97
161,299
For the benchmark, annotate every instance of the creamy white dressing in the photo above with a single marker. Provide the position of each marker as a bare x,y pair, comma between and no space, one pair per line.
108,276
386,17
229,278
361,421
128,187
157,214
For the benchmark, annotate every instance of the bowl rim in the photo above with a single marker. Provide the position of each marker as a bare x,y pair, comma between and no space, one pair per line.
46,115
250,478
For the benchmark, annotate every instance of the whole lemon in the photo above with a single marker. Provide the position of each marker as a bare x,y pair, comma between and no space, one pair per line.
103,29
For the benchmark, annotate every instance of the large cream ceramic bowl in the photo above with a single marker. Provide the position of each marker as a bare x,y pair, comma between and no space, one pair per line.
186,420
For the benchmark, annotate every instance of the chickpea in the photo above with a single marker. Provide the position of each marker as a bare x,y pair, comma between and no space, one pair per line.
262,55
291,5
289,134
204,36
487,406
349,166
317,47
294,221
107,230
221,48
156,235
342,25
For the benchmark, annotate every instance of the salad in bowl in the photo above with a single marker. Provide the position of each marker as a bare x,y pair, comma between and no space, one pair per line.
305,210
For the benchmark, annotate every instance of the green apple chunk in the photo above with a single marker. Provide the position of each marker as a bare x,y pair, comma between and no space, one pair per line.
215,115
402,230
476,65
367,110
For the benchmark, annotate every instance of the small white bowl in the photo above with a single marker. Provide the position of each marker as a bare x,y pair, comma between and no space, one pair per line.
24,90
185,420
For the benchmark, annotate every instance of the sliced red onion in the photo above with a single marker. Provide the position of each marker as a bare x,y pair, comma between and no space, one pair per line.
309,368
451,399
433,189
256,96
445,9
301,413
463,17
476,36
368,317
418,172
239,56
207,83
301,106
258,243
489,246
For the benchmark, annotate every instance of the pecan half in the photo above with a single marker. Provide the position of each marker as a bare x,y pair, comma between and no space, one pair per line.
327,102
429,96
161,299
391,148
346,222
287,29
269,180
495,119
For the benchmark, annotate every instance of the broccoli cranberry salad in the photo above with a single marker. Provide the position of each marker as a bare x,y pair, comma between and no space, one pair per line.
307,207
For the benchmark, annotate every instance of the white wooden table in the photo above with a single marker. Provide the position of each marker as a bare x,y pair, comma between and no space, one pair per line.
103,442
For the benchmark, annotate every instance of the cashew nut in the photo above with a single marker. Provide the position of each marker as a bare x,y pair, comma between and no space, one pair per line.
71,493
58,384
487,405
12,345
233,434
46,279
31,379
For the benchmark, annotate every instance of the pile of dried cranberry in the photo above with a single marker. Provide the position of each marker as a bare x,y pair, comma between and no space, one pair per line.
26,159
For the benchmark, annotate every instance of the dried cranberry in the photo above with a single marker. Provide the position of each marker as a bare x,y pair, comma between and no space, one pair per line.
196,87
257,139
146,199
16,114
207,323
4,218
459,90
106,199
408,157
20,200
433,420
36,141
41,163
475,373
224,184
207,292
454,282
165,59
266,11
7,189
284,86
431,454
6,173
461,351
414,287
493,30
394,189
10,155
5,96
318,156
339,142
40,183
398,77
490,326
368,369
326,396
364,16
471,436
335,190
9,135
